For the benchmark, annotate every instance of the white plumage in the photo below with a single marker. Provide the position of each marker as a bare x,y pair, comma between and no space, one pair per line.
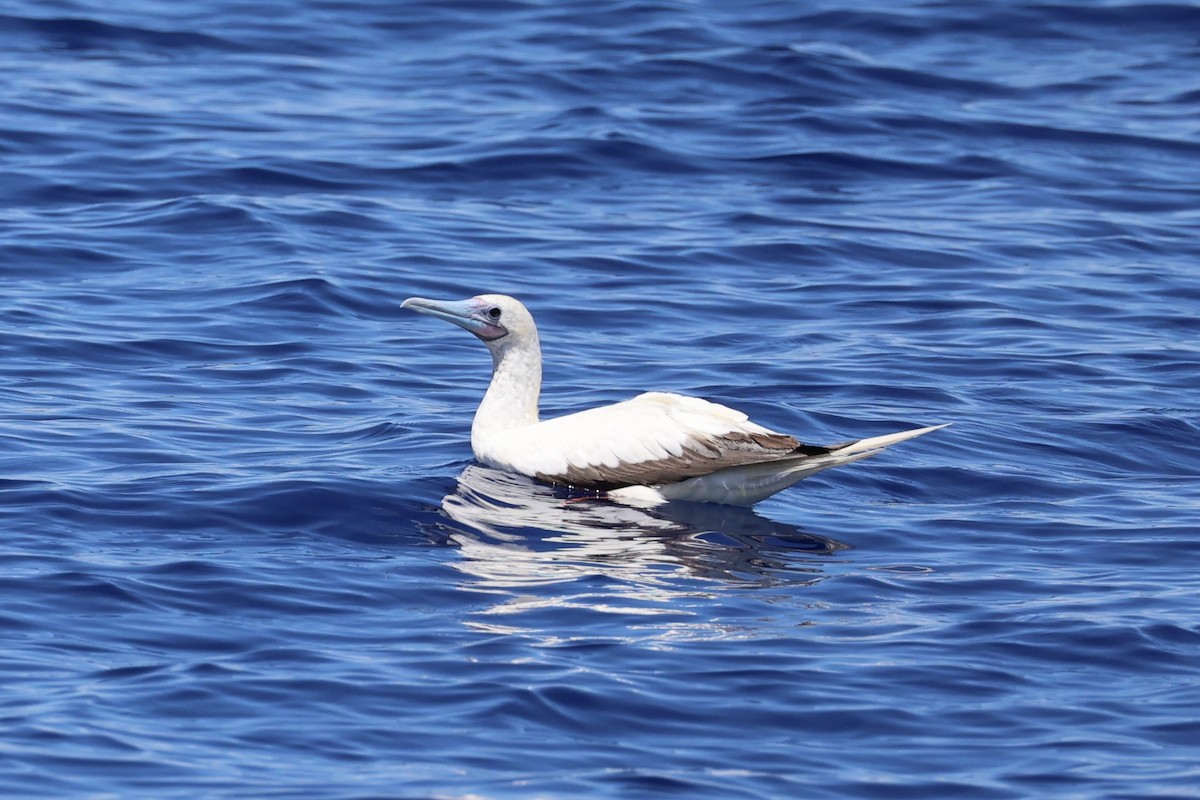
650,449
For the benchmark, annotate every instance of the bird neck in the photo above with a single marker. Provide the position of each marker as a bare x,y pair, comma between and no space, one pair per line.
512,397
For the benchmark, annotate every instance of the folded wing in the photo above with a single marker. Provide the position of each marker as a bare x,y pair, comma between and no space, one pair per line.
652,439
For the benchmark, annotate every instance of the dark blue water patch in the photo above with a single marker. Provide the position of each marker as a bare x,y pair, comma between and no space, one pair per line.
91,35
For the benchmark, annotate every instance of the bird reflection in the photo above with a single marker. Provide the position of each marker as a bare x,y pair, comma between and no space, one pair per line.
515,532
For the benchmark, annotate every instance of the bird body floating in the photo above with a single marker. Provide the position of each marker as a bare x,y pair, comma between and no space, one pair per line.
647,450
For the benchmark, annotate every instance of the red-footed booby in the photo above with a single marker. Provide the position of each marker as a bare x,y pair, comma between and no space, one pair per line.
647,450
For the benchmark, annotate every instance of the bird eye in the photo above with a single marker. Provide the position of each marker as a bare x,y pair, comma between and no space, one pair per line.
494,312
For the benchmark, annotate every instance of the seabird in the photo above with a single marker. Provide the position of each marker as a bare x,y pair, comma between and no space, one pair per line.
647,450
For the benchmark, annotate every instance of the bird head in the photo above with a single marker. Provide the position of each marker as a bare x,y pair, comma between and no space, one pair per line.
499,320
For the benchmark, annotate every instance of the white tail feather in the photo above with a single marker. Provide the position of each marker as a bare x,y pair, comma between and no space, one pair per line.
877,443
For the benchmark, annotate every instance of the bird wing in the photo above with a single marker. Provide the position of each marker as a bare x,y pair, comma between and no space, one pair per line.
652,439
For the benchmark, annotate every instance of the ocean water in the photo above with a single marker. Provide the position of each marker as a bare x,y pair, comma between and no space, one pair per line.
246,554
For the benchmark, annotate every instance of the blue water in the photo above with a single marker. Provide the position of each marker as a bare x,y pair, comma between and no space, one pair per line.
246,553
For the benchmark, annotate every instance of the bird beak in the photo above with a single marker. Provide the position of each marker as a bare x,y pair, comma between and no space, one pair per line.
469,314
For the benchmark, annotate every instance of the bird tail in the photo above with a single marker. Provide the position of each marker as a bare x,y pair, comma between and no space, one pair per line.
749,483
848,453
852,451
872,445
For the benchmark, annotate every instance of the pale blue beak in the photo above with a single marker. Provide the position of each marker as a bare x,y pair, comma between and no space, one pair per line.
470,314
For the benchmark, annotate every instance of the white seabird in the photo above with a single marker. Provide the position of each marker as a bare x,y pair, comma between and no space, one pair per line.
647,450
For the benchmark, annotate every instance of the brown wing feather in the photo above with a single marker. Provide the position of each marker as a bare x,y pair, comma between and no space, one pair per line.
701,456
